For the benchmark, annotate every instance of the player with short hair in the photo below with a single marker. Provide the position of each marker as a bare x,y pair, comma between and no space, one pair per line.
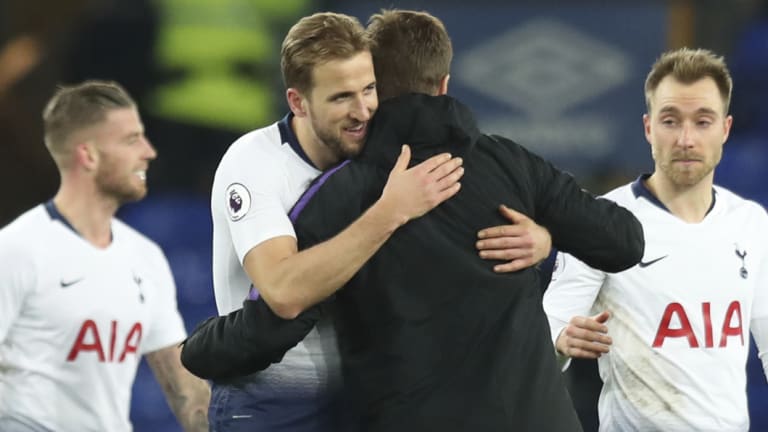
331,91
431,337
82,295
671,334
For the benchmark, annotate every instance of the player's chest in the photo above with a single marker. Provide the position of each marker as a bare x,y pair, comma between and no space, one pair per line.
694,264
693,288
100,288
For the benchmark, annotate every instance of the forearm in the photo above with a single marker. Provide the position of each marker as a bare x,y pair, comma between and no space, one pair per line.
187,396
314,274
599,232
296,281
244,342
192,415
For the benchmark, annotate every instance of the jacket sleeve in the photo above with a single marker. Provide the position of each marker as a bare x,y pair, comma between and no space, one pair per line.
246,341
340,200
595,230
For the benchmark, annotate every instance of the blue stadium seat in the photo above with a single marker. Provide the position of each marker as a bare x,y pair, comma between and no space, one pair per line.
743,167
173,221
749,67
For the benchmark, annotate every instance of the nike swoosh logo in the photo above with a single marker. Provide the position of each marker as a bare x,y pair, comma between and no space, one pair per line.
644,264
67,284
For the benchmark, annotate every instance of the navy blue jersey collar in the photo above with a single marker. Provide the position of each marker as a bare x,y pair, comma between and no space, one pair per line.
288,136
639,189
55,214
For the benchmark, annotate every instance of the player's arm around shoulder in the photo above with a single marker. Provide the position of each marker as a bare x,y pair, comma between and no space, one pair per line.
292,281
187,395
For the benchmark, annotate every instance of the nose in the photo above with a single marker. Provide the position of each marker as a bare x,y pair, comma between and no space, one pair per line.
686,138
151,152
360,110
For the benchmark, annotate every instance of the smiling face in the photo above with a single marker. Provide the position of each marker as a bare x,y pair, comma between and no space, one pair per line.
339,106
124,154
686,127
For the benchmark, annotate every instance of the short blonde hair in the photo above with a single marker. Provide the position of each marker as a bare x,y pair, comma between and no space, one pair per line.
687,66
76,107
317,39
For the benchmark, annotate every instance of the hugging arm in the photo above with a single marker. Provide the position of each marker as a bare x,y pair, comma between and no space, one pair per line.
595,230
245,341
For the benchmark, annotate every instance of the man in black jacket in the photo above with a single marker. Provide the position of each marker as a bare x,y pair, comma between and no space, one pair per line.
431,337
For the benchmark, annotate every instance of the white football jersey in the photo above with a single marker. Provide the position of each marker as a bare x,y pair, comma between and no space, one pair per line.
680,318
75,320
257,182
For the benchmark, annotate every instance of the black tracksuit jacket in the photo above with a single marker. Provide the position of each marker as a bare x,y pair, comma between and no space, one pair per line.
431,338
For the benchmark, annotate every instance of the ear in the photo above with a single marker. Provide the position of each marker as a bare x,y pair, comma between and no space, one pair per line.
727,130
647,127
86,155
443,90
296,102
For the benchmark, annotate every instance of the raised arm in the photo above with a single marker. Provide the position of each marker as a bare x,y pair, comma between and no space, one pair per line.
187,395
291,281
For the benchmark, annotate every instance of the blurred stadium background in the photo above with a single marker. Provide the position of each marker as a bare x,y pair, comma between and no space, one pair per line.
564,78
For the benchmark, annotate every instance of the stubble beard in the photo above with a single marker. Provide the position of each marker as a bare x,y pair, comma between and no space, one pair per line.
121,190
688,176
333,140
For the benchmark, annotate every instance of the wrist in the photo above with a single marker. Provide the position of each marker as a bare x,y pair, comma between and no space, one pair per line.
386,215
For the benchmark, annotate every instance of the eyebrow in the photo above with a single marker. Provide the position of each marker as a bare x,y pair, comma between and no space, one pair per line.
675,110
133,135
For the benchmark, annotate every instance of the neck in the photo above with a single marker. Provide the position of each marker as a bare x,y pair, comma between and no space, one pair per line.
689,203
319,154
89,213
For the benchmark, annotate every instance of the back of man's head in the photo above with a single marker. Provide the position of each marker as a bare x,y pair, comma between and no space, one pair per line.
411,52
317,39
